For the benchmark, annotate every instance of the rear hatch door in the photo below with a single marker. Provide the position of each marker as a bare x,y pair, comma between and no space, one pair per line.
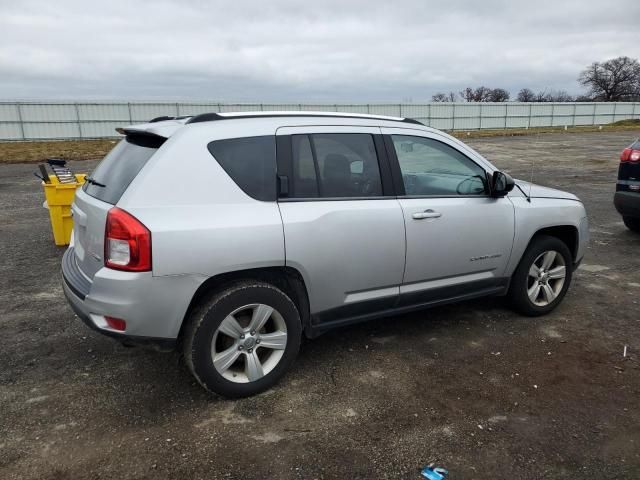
102,190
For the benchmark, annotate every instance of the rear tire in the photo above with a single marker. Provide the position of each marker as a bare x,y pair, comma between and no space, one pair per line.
632,223
542,278
241,340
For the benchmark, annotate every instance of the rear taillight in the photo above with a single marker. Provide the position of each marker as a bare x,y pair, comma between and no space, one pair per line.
630,155
127,243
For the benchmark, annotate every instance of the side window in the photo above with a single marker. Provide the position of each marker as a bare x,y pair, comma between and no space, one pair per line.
430,167
335,165
250,162
305,183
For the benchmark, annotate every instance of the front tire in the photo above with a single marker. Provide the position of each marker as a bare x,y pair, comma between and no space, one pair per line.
542,278
632,223
240,341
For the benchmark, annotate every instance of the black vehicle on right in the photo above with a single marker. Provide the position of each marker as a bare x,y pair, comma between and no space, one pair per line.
627,196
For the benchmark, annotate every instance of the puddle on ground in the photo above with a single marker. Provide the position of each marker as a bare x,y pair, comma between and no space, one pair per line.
593,268
267,437
551,332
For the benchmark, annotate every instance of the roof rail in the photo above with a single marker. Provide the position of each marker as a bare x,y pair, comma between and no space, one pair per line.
211,117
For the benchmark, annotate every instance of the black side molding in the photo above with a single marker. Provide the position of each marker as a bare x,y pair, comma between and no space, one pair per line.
364,311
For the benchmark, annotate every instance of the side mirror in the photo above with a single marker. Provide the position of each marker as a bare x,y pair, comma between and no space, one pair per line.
501,184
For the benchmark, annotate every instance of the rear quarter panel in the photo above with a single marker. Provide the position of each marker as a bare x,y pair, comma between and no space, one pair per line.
201,222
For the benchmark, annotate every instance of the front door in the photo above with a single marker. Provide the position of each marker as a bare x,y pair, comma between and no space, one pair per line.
459,238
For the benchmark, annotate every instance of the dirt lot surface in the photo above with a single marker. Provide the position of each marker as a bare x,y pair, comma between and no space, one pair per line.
472,387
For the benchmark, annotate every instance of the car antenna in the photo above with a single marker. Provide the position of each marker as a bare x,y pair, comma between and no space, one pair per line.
533,162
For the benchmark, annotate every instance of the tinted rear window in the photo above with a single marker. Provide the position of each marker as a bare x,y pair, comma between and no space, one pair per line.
335,165
250,162
117,170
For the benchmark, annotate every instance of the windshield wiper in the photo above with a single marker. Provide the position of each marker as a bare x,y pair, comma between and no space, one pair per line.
94,182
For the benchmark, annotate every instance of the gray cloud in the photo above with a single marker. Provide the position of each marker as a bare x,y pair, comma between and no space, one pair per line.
290,50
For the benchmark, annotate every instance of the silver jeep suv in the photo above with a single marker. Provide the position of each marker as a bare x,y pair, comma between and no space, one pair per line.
231,235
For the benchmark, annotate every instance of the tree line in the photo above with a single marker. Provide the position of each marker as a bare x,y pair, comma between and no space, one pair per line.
614,80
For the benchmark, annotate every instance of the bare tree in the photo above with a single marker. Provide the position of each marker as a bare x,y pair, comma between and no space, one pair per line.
498,95
526,95
484,94
541,97
558,96
479,94
553,96
444,97
613,80
467,94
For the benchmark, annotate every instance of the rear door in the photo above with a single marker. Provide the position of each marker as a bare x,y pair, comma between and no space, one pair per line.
459,238
99,195
343,228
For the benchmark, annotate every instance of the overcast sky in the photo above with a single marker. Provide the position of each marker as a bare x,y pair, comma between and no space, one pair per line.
270,50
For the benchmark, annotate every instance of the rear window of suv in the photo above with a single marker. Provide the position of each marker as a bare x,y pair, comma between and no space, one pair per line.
117,170
250,162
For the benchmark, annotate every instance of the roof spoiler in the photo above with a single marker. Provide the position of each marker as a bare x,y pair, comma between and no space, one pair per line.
142,138
166,117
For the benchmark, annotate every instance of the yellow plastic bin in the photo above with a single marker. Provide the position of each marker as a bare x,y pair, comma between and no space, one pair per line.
59,199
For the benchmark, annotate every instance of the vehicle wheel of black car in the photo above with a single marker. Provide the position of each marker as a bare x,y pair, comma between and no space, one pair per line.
632,223
241,341
542,278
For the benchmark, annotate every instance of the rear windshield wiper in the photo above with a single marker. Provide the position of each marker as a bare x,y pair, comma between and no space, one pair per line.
94,182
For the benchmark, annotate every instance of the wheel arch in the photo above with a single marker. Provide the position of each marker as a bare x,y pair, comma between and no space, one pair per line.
518,286
287,279
568,234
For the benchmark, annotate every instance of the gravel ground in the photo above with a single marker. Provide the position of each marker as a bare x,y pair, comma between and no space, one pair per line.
472,387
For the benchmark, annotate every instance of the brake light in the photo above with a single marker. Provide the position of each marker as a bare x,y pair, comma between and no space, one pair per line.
630,155
127,243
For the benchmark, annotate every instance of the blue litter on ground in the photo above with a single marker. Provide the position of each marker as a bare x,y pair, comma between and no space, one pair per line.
434,473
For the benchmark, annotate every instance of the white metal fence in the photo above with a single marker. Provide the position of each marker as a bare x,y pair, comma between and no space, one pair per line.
73,120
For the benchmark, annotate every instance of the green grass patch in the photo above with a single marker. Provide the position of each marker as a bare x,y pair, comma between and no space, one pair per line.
515,132
35,152
632,122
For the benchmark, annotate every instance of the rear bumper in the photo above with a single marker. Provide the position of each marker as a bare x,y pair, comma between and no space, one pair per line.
153,307
163,344
627,203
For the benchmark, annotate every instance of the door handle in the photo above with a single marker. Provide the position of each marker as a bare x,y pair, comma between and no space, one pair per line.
426,214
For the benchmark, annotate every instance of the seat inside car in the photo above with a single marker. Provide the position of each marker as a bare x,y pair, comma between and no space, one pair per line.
336,176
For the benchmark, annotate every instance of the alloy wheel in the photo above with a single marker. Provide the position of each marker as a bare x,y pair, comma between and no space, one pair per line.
546,278
249,343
